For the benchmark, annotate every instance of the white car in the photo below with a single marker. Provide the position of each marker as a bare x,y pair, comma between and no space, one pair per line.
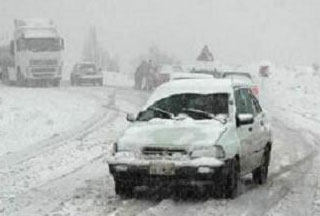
204,132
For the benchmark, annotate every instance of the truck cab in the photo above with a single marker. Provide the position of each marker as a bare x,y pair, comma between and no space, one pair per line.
36,49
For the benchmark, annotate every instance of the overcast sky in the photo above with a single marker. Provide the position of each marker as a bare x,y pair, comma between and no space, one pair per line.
283,31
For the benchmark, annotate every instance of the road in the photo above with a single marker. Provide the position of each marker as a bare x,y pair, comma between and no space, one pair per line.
67,174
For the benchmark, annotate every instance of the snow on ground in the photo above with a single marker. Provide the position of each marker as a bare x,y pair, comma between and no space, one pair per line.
30,115
118,79
73,178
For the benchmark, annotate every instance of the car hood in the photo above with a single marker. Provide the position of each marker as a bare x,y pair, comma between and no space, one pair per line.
185,134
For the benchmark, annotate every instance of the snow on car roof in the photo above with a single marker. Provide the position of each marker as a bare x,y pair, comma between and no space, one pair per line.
40,33
196,86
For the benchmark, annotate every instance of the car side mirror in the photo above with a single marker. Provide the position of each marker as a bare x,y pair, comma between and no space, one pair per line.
131,117
245,119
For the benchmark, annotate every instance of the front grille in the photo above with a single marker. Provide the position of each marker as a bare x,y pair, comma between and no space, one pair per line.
43,70
44,62
163,151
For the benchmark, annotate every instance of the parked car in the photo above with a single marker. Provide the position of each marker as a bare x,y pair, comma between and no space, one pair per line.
199,132
187,75
86,73
242,77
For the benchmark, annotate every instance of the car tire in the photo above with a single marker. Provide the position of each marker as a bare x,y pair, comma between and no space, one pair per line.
233,179
227,186
56,83
260,174
124,189
5,78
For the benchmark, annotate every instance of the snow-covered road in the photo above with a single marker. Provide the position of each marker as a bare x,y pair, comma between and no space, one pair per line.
66,174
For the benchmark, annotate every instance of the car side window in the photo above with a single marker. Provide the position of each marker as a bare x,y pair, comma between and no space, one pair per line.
256,105
243,101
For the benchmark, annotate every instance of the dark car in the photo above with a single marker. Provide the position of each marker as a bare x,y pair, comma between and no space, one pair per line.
86,73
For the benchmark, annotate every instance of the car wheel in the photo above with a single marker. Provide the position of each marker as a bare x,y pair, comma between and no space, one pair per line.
233,179
56,83
20,79
124,189
227,186
260,174
100,82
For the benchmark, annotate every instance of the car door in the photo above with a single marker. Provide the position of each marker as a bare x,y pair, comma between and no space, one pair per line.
245,132
261,130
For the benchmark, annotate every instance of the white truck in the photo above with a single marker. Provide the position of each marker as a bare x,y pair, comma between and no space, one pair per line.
33,56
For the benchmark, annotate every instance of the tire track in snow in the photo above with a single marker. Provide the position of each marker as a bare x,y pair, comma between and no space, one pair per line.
111,108
54,142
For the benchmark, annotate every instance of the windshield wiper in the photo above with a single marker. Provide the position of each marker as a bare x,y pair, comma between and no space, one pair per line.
207,114
169,114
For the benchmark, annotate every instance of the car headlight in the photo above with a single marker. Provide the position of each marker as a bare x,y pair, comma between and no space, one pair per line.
212,151
124,155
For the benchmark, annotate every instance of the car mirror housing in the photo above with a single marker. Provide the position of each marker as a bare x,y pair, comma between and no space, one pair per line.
131,117
245,119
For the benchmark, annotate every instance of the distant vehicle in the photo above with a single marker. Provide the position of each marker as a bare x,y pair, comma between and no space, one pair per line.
148,77
201,132
242,77
86,73
264,70
186,75
166,72
34,54
210,71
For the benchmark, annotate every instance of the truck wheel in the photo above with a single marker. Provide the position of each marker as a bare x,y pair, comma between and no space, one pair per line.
260,174
124,189
5,78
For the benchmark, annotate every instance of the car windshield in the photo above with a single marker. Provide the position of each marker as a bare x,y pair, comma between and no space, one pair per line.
196,106
87,68
40,44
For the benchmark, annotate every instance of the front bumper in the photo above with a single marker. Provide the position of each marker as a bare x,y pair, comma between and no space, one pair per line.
44,73
186,173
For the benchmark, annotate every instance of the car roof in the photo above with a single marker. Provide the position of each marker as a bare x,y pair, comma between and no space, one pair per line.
226,73
193,86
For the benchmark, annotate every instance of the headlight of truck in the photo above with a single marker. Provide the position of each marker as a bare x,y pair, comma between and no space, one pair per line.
212,151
